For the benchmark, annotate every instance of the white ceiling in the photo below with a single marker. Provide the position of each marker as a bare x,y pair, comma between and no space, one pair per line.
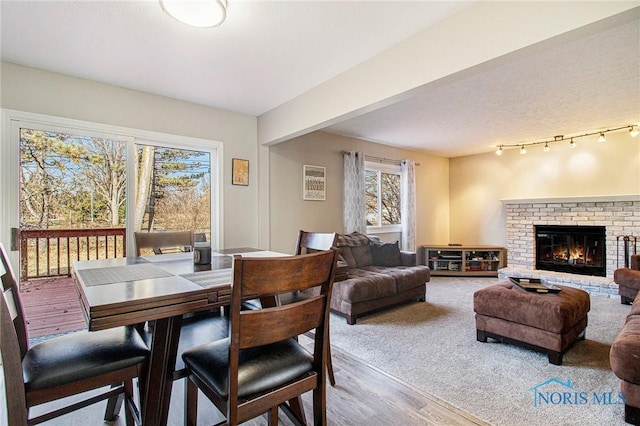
268,52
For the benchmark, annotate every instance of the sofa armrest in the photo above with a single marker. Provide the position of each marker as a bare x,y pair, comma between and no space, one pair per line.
635,262
408,258
627,277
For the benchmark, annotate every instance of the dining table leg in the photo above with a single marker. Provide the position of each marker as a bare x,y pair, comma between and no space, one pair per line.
162,361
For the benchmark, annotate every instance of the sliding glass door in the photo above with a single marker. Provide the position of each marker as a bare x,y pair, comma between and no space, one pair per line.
77,190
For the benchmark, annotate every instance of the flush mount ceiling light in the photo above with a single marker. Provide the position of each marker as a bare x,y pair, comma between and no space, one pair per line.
197,13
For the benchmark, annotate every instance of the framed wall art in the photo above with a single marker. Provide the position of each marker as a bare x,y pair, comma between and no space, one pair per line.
240,172
313,183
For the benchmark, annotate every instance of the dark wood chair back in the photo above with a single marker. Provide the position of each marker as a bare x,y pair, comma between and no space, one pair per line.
309,242
256,278
164,241
109,358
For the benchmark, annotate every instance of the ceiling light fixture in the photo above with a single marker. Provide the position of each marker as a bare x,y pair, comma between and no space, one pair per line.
633,132
197,13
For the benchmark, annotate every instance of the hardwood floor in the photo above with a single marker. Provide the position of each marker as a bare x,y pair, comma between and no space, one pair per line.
363,394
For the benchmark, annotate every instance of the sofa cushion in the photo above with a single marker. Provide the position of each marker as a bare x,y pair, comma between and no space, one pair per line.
353,239
347,255
362,255
625,351
364,285
407,277
386,254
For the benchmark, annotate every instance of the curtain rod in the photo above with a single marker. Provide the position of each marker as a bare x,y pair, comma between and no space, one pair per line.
381,159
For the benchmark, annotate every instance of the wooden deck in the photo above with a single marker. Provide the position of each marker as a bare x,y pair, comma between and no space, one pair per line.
52,306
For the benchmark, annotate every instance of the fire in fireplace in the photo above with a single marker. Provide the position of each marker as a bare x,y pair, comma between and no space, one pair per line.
573,249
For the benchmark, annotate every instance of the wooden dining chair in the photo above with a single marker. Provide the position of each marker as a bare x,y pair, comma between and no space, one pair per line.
261,365
162,242
66,365
310,242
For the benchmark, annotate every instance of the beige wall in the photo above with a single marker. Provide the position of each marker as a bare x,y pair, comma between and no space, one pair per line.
290,213
478,183
35,91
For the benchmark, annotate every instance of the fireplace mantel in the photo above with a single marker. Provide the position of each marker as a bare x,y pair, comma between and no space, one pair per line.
583,199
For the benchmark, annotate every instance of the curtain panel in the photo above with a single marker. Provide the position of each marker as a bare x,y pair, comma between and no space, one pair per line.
354,208
408,204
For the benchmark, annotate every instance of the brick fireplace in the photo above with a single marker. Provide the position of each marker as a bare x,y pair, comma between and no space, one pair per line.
619,215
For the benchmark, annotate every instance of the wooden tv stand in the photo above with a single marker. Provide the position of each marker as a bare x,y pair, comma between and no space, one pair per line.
464,260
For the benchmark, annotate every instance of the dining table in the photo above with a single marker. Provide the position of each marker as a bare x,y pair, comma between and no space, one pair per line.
159,289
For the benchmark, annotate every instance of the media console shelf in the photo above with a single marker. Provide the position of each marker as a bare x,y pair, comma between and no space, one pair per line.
464,260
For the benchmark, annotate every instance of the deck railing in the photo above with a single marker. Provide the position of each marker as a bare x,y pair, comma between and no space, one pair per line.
51,252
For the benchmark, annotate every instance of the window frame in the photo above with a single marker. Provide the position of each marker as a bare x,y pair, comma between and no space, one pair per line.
390,169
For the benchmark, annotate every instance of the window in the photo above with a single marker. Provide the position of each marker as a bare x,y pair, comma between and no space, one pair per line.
382,192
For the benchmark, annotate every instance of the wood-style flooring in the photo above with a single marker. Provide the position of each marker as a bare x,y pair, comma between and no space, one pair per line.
364,395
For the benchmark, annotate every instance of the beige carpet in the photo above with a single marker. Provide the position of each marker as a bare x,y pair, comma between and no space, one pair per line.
433,346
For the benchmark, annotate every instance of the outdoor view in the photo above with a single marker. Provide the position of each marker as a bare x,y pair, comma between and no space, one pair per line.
73,197
382,192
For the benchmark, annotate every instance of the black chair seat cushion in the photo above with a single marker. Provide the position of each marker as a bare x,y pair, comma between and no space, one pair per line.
199,330
261,368
81,355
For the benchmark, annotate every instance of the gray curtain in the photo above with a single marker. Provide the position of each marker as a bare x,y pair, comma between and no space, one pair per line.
408,204
354,200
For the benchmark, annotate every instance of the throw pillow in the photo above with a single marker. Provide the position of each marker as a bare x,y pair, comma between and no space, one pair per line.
386,254
362,255
347,256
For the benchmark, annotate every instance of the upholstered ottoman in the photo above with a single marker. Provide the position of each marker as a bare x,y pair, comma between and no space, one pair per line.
545,322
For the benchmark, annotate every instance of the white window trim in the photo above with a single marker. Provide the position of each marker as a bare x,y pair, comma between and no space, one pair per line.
386,168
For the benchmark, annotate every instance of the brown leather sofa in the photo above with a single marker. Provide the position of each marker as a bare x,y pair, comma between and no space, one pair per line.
625,351
375,276
628,280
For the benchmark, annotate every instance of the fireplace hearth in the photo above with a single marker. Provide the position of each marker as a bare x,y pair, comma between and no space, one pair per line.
573,249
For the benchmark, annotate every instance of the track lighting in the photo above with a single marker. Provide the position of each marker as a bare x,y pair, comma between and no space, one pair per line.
633,132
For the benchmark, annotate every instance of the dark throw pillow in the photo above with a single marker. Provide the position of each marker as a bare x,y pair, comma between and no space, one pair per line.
362,255
386,254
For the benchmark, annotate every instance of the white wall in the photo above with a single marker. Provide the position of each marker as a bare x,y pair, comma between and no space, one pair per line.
479,182
289,212
37,91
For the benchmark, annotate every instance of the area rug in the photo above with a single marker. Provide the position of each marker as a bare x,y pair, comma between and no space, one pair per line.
433,346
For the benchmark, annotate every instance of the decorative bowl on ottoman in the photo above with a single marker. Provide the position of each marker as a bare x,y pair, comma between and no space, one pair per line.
545,322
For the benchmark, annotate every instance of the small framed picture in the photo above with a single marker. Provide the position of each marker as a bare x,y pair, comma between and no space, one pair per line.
240,172
313,183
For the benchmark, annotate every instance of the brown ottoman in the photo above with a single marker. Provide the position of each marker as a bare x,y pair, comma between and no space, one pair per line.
545,322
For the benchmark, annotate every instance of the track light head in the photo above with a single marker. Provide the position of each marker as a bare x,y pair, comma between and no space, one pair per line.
523,150
601,138
572,144
546,147
633,131
499,150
